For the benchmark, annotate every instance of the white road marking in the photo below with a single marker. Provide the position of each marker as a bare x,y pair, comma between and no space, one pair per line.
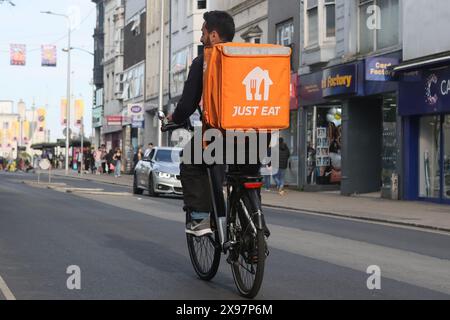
5,290
356,219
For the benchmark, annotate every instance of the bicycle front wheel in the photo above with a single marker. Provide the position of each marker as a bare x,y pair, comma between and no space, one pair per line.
205,255
250,254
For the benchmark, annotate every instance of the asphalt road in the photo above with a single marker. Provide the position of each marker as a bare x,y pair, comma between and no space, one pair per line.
130,247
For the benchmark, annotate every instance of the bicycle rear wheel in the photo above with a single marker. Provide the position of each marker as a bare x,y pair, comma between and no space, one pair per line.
205,255
249,256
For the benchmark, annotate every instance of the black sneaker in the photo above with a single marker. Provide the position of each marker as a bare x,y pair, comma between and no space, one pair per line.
199,228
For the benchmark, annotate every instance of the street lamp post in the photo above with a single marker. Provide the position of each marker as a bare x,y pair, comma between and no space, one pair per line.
68,87
161,67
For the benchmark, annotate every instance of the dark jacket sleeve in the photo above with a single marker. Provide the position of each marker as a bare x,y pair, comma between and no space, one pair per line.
192,92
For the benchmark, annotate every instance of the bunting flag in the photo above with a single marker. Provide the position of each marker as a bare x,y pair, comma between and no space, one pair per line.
48,55
42,113
9,136
63,108
18,54
79,111
15,130
26,131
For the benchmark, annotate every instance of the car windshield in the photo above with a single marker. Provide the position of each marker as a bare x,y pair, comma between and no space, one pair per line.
167,156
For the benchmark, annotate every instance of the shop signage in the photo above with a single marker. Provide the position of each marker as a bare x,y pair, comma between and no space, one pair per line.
429,94
380,68
310,89
339,80
114,120
294,96
97,116
136,114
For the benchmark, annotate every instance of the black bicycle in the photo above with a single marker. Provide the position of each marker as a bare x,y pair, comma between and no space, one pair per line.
238,225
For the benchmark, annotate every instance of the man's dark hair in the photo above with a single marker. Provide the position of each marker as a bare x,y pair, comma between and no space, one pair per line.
221,22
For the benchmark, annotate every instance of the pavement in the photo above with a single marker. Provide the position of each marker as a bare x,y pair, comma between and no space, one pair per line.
408,213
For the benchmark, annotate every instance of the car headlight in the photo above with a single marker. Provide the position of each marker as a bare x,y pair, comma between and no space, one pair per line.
164,175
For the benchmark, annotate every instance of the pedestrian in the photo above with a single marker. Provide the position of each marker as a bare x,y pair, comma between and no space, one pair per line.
103,158
92,160
283,163
61,160
148,150
137,157
109,160
98,160
79,161
266,171
117,158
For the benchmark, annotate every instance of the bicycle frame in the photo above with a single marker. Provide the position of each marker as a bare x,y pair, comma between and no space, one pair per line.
222,209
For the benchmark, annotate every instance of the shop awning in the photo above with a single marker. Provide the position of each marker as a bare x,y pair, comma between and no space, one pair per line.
73,143
423,62
42,146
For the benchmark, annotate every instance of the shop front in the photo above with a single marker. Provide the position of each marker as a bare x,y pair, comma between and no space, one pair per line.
424,104
290,135
350,128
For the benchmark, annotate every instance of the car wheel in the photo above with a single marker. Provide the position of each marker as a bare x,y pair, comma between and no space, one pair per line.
136,190
151,187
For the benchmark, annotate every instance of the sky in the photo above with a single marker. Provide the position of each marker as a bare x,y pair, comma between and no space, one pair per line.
46,86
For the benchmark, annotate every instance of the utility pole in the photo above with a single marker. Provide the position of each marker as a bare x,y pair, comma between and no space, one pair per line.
68,87
82,140
161,68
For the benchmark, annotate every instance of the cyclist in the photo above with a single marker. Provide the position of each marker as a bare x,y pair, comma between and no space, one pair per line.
218,27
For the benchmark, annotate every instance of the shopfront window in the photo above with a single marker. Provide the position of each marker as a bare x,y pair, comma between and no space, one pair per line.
429,155
390,143
324,130
446,131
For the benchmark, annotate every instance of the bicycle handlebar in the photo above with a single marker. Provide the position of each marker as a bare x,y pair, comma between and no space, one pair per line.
170,126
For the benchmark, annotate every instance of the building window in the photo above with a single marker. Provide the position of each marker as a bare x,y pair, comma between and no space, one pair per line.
429,153
312,21
201,4
136,27
378,24
180,69
285,33
320,25
330,18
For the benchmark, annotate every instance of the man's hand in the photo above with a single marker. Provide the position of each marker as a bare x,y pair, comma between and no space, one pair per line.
169,117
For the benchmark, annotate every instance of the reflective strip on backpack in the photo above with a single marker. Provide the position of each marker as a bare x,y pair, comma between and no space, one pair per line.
256,51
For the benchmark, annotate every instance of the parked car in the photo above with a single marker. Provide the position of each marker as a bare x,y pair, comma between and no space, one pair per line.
159,172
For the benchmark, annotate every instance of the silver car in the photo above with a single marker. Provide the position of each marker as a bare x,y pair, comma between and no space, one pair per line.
159,172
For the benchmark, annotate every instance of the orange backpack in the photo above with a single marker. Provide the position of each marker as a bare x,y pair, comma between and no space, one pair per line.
246,86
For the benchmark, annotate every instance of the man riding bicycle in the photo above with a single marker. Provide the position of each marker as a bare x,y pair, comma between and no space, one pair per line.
218,28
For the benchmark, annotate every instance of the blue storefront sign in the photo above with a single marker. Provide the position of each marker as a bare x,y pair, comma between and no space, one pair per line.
310,89
315,88
379,68
340,80
427,92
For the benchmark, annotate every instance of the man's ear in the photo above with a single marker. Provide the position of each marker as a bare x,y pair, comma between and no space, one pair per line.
215,36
